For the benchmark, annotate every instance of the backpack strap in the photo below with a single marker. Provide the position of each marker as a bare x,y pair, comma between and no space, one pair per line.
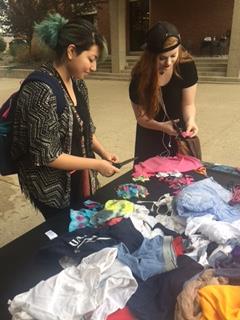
53,83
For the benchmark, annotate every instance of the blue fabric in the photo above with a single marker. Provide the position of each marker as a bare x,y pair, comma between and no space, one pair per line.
80,219
146,261
206,197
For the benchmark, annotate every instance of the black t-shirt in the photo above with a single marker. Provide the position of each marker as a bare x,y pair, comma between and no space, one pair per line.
151,142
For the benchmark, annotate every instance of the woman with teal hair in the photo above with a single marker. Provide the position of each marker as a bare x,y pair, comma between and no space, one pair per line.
55,153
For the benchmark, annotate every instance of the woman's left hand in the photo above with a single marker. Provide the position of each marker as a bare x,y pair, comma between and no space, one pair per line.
110,157
192,128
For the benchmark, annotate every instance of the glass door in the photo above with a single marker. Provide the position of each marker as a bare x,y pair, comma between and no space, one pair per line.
138,23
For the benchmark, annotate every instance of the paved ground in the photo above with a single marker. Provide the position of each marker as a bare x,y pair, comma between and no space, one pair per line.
218,120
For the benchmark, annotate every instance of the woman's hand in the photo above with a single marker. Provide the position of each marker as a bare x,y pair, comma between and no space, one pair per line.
191,128
110,157
167,127
105,168
100,150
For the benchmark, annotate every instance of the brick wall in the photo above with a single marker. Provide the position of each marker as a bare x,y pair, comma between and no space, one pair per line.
103,23
194,19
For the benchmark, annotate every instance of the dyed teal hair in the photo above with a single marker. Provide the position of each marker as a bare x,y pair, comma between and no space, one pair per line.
48,30
57,32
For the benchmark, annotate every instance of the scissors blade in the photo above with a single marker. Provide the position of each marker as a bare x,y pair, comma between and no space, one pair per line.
123,163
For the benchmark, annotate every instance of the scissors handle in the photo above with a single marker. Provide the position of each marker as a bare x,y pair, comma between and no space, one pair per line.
117,165
176,127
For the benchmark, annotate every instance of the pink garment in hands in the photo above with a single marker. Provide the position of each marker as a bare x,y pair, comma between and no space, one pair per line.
157,164
186,134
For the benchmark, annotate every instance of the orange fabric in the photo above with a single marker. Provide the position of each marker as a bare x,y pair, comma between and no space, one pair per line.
220,302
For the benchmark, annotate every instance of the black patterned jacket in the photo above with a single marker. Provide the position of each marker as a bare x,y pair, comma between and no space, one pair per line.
40,135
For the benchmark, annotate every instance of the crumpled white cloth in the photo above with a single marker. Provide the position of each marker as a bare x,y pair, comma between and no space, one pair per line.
173,222
218,231
95,288
145,223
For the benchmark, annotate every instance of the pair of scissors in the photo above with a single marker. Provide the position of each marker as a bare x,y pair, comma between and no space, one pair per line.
178,129
119,165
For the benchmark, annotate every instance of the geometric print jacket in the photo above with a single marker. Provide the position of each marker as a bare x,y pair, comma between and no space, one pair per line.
40,135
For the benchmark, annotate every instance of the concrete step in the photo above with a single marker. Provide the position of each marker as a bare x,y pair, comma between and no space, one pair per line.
214,59
105,63
209,62
212,73
219,79
210,70
14,73
110,76
126,77
199,67
211,67
197,59
123,76
104,69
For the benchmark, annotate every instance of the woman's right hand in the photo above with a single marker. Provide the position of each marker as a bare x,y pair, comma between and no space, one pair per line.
167,127
106,169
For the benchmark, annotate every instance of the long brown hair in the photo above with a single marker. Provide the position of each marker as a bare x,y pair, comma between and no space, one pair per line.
146,69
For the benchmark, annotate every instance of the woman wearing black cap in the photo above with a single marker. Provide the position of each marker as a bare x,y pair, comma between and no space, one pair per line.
162,89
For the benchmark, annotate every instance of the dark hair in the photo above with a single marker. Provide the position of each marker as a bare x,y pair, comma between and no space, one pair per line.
58,33
82,33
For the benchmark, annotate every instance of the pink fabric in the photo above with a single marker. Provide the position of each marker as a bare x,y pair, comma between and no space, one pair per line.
235,195
121,314
186,134
177,183
157,164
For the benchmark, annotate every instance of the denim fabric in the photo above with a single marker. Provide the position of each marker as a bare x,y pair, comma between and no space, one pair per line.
206,197
149,259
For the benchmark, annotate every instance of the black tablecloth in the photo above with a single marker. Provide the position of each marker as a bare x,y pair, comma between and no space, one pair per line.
20,269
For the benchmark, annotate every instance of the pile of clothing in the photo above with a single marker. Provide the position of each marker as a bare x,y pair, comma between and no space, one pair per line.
177,257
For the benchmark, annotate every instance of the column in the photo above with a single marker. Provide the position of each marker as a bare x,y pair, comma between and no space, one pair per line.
233,66
117,12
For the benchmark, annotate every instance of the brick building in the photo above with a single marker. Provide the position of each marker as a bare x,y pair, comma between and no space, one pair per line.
125,22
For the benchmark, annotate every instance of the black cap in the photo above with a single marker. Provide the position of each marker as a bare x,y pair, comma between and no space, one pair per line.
158,34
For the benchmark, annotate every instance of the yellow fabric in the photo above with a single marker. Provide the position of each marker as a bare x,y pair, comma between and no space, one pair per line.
121,207
220,302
